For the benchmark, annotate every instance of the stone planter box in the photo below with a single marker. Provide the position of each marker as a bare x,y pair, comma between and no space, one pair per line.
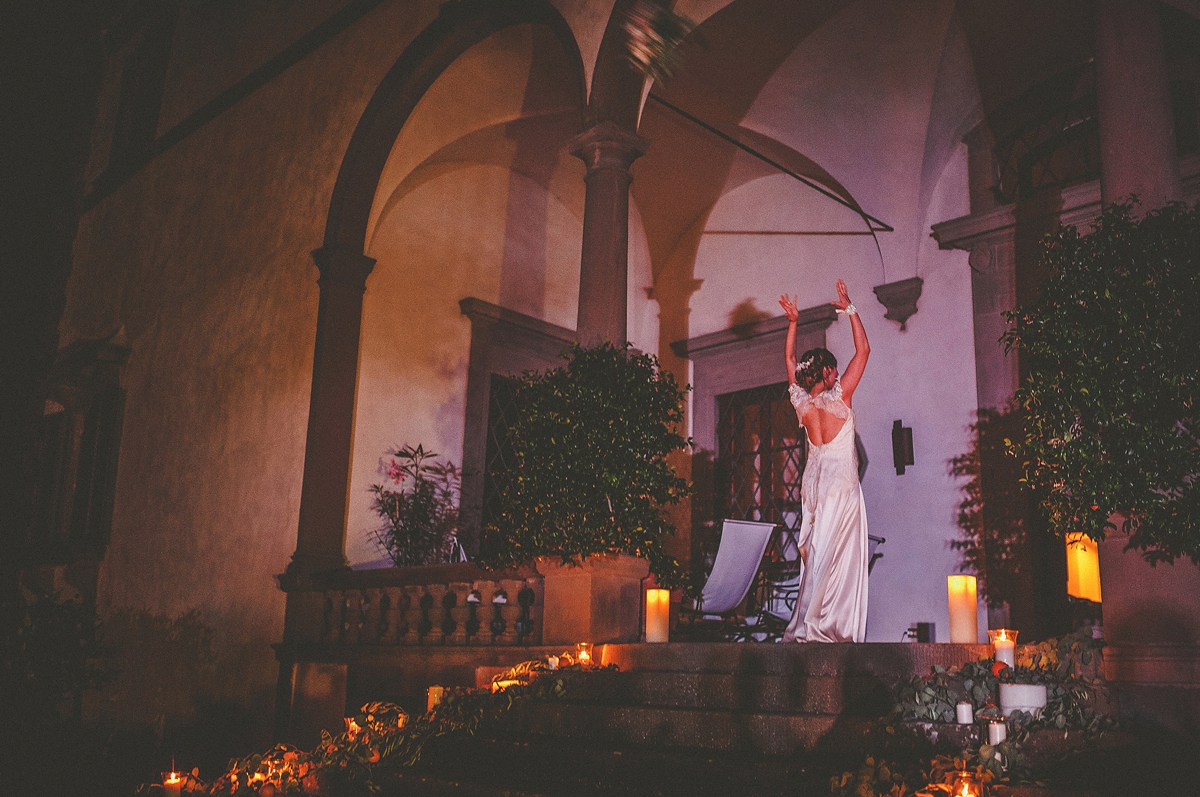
1023,697
597,600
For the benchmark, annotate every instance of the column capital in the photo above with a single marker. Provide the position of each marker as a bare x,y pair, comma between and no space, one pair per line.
343,266
607,145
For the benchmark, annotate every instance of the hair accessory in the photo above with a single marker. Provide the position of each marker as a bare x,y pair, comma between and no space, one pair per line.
850,309
807,361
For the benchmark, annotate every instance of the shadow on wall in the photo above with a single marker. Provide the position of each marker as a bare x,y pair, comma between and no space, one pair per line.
175,698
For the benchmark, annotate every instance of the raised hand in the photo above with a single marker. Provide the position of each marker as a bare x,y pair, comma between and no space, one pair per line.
843,296
789,307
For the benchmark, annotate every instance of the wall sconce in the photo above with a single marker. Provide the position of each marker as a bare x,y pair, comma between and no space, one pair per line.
902,446
1083,567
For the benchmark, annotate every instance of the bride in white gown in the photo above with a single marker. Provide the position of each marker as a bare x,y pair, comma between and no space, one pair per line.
832,603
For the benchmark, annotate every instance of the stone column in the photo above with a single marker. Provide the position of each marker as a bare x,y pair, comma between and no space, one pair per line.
321,537
1137,127
608,150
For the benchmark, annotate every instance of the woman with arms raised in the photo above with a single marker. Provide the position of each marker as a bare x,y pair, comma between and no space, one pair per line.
832,603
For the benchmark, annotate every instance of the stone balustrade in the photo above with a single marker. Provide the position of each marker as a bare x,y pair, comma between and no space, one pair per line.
458,604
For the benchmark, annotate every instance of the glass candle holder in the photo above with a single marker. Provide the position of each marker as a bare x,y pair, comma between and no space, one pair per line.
1004,643
583,653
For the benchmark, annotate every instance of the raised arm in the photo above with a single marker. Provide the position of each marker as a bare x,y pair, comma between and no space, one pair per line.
862,349
789,346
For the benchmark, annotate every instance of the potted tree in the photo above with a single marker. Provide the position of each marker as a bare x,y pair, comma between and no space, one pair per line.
592,478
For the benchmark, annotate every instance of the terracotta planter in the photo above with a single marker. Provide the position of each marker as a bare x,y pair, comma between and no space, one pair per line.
597,600
1025,697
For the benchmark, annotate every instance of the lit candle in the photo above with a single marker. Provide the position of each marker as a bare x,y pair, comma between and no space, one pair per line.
964,712
433,696
964,609
172,784
965,785
583,653
1004,640
997,732
658,615
552,662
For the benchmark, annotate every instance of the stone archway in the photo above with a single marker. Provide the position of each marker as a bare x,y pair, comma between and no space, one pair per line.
344,268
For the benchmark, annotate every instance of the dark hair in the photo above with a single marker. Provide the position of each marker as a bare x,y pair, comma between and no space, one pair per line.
810,369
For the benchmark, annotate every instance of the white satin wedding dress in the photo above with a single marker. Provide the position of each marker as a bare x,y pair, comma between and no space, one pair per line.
832,604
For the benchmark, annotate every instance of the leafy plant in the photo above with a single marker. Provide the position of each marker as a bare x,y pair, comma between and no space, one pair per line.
420,512
933,698
993,514
1112,397
592,476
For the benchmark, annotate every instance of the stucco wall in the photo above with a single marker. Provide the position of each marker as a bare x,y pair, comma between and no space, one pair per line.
204,258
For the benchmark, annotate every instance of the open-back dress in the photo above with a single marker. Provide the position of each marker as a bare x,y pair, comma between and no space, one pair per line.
832,604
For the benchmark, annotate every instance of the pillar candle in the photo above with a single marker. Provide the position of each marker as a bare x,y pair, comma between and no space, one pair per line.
964,609
552,662
997,732
964,712
172,784
1004,640
658,615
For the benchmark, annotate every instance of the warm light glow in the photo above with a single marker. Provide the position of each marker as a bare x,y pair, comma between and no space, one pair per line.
658,615
965,785
500,686
583,653
1083,567
433,696
964,609
172,783
1004,644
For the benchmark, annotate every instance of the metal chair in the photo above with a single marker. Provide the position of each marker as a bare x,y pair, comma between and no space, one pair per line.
735,569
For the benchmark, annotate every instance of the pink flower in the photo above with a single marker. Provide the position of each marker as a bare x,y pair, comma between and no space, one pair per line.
396,473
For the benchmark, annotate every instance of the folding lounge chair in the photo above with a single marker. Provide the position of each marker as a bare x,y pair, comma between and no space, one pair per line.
739,557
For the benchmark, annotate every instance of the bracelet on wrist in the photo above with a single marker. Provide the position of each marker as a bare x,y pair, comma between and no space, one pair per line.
850,309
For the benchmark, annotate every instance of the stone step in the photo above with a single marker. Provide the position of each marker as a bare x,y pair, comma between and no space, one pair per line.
728,731
890,662
861,695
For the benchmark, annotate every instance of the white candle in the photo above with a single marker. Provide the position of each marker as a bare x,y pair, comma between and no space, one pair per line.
433,697
964,609
997,732
964,712
1004,641
658,615
552,662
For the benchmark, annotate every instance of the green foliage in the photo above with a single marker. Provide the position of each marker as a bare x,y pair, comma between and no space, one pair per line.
933,698
993,514
1112,397
50,653
420,514
592,475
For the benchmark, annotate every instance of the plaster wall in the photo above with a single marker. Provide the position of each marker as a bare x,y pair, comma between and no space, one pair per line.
478,198
203,258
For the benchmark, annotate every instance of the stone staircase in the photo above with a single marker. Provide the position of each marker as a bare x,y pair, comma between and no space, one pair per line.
773,699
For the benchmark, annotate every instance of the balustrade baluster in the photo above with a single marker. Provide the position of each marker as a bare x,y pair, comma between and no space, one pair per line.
414,614
331,631
511,611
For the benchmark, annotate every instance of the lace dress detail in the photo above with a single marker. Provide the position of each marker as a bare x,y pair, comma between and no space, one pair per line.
828,400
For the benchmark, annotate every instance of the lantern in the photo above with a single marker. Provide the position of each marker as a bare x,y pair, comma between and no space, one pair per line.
964,609
1083,567
1004,642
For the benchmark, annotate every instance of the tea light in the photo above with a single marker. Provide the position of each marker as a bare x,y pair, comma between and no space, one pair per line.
658,615
172,784
434,696
964,609
583,653
1004,640
552,662
964,712
997,732
966,785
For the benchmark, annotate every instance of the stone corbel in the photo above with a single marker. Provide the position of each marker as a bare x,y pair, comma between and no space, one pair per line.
900,299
